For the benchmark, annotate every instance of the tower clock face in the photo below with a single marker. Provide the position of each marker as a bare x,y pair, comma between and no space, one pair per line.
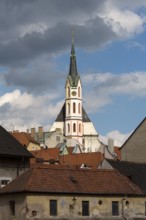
74,93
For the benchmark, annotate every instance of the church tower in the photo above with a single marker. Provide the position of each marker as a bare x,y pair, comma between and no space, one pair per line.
73,101
72,120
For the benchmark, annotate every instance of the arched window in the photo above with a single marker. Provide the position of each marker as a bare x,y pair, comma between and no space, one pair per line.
74,107
79,108
68,108
79,91
74,127
68,127
80,128
68,91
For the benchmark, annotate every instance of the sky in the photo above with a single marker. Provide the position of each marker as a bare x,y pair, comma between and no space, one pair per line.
110,44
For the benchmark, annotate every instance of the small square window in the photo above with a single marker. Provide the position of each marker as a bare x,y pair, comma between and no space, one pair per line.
115,208
12,207
53,207
58,138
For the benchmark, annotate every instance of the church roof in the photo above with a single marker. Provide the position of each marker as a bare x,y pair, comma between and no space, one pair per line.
61,115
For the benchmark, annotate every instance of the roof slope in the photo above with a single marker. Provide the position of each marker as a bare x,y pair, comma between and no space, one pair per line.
133,133
135,171
53,179
10,146
24,138
61,115
91,159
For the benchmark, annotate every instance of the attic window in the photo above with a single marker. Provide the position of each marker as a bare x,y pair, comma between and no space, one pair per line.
73,180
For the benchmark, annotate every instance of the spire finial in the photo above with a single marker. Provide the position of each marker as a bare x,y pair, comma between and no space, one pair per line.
73,34
72,47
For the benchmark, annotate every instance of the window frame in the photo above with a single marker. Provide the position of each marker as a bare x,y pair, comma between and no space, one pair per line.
12,206
85,208
53,207
115,208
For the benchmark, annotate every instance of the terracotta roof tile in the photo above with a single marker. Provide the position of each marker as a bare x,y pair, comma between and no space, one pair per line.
46,154
59,180
89,159
24,138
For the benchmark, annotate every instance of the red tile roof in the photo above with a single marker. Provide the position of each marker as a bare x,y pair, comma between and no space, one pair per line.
89,159
46,154
72,181
24,138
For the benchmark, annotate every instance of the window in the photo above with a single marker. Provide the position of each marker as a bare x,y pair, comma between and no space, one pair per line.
79,91
79,107
85,208
74,127
74,107
12,207
4,182
53,207
68,127
115,208
68,108
57,138
68,92
79,127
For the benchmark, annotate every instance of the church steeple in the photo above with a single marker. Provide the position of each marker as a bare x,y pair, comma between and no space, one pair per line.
73,73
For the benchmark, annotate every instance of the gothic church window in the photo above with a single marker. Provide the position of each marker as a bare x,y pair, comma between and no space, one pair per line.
74,127
68,127
74,107
68,92
79,107
79,92
68,108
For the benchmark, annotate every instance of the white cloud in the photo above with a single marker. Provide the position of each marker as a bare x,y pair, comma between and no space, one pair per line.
21,110
118,137
124,22
108,85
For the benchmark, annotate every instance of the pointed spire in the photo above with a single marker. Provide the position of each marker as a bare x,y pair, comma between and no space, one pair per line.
72,46
73,67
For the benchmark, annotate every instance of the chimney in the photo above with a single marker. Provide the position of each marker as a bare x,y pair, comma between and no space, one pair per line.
33,132
40,132
111,145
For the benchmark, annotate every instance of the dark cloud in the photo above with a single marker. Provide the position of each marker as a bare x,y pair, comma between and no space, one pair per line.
37,79
91,35
21,48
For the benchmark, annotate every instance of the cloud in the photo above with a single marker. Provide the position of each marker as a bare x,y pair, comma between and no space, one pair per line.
108,85
34,29
118,137
136,44
124,22
19,109
40,77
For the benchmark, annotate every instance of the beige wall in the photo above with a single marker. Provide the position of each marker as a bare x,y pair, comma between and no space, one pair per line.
20,207
32,146
135,148
66,209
